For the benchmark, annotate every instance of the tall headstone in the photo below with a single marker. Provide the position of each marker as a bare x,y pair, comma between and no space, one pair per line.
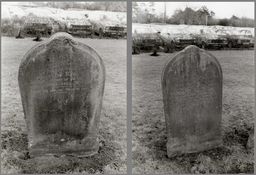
61,84
192,96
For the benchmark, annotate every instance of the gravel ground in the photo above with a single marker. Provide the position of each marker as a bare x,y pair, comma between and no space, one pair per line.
112,154
149,132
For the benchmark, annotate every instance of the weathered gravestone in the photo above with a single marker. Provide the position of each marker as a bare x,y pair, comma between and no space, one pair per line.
192,95
61,84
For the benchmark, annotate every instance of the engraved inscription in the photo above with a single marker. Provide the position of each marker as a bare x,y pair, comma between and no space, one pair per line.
192,94
61,84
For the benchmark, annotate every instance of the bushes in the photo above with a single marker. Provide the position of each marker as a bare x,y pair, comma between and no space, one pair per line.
188,16
11,27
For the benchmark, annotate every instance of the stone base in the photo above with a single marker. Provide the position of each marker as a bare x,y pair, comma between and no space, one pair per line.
177,147
36,152
78,148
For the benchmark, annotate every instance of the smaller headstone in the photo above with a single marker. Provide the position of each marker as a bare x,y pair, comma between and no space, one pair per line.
250,141
19,36
38,37
61,84
192,96
155,49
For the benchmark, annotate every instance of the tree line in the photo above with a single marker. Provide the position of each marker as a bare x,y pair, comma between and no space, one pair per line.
188,16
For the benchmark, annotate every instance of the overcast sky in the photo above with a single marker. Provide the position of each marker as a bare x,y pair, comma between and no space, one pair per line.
221,9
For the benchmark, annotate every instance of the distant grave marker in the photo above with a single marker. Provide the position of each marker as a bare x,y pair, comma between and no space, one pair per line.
192,95
61,84
19,36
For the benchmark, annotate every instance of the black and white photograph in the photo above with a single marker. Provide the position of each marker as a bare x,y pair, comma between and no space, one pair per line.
63,87
193,87
127,87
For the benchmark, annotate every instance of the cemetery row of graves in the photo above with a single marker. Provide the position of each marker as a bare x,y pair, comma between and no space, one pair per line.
62,83
64,100
31,19
170,38
201,112
83,28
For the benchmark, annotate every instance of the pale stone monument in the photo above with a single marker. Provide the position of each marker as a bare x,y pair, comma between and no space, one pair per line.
192,96
61,84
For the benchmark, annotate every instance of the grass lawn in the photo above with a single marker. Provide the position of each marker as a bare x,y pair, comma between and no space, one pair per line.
112,154
149,132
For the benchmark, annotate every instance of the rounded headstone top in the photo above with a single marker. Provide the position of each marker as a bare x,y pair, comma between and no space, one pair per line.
192,54
61,35
63,38
57,41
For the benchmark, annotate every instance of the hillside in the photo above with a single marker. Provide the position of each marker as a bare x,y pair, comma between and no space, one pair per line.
10,11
